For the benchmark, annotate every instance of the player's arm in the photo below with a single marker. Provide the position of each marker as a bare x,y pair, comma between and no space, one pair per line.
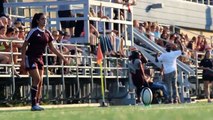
55,51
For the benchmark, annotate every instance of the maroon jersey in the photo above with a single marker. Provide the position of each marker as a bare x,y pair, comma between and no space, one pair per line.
38,40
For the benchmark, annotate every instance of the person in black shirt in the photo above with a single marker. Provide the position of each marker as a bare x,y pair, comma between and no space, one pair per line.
2,13
207,66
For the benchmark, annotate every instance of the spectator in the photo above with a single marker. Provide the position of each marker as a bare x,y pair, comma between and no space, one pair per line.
138,76
61,39
79,26
151,32
199,42
17,24
94,34
10,34
168,60
2,12
157,32
64,11
142,28
21,34
207,66
4,21
3,58
6,58
136,24
192,43
165,36
150,83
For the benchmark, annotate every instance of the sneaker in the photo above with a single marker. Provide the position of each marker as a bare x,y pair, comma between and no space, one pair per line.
41,107
138,101
175,101
168,102
36,108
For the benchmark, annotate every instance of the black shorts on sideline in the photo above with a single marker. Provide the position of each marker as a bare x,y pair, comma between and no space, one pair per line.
207,78
66,24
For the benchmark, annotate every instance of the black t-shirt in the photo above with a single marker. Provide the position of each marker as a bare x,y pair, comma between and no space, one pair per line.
79,28
1,7
206,63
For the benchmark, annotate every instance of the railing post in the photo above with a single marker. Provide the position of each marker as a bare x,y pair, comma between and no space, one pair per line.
12,67
196,72
46,69
181,80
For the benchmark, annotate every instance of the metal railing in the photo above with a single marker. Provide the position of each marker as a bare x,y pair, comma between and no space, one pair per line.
184,70
206,2
158,48
83,82
87,71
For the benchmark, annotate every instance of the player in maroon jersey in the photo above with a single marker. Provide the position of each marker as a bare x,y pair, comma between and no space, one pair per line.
32,50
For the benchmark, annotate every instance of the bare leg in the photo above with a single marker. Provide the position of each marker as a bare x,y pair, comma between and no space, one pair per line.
207,90
71,30
35,85
41,72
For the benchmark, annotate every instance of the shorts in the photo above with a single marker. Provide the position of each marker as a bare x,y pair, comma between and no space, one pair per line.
207,78
66,24
93,49
34,63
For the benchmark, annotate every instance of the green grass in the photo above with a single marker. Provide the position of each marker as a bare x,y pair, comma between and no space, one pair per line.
195,111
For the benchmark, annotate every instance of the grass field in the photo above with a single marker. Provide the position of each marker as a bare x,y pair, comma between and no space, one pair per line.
194,111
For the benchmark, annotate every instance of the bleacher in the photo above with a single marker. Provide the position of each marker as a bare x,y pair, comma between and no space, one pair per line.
82,82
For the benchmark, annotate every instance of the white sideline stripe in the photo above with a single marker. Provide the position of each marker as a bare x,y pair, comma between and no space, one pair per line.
175,106
50,106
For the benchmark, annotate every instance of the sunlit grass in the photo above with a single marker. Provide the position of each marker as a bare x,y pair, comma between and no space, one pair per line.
196,111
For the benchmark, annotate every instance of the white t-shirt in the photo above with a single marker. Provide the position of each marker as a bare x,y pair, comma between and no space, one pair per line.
152,36
169,60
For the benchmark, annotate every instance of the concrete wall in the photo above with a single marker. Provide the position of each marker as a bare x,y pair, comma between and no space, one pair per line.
176,12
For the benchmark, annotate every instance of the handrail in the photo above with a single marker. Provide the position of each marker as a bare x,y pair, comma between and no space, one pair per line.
148,55
77,72
158,48
70,56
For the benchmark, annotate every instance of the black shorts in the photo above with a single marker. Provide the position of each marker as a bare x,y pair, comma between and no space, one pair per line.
207,78
93,49
66,24
34,63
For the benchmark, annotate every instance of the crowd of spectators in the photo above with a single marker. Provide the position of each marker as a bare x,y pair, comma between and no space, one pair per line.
162,35
112,42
